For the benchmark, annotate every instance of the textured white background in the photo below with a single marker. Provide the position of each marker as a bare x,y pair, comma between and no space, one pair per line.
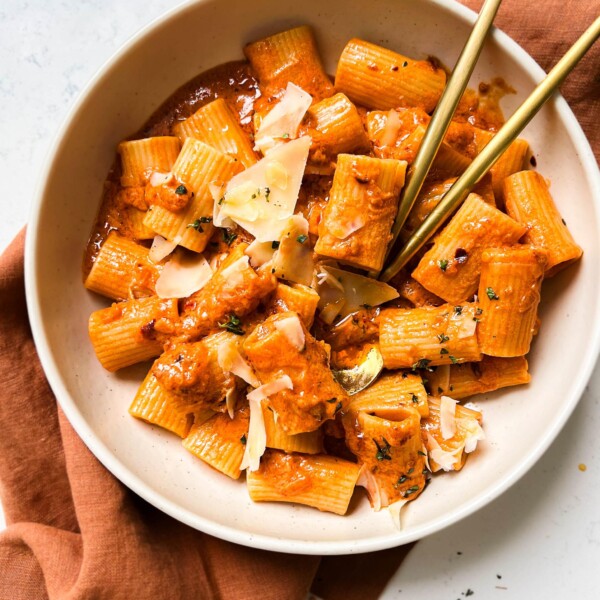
540,540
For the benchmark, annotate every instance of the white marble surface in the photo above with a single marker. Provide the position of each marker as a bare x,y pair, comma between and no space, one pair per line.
539,540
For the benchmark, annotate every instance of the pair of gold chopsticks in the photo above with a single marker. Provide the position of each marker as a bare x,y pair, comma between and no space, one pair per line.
493,150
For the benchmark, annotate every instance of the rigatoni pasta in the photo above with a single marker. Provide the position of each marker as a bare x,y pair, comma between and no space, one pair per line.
528,201
356,224
379,78
509,294
241,235
451,268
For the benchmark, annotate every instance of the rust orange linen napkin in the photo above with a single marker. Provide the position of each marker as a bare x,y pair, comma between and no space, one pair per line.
74,532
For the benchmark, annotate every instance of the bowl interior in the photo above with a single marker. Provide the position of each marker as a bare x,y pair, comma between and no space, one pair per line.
519,423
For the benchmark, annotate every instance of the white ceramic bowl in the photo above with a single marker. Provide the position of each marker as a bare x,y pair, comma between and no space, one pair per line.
520,423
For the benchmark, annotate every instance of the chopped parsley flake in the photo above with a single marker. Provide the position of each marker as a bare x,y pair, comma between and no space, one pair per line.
443,264
383,452
195,225
234,325
444,351
267,193
243,439
275,245
411,490
181,190
402,478
453,359
422,363
491,294
458,310
301,238
229,237
415,398
443,338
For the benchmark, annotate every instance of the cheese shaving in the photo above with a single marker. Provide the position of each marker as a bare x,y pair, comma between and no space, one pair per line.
466,324
157,179
283,120
260,253
268,389
293,260
447,417
367,480
260,202
396,510
182,276
443,459
344,228
256,441
230,402
357,291
231,361
234,273
472,432
392,127
293,331
161,248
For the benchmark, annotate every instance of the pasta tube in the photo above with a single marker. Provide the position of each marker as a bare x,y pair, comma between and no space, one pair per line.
289,56
468,379
122,270
197,166
282,346
157,406
324,482
387,443
451,268
356,224
140,158
220,442
133,331
509,294
375,77
306,443
391,391
335,127
428,336
528,200
216,125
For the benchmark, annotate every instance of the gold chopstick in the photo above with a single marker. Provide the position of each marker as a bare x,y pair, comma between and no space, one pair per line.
494,149
443,114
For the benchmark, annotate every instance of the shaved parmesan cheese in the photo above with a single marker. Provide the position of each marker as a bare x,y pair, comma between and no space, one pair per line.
157,179
447,417
231,361
234,273
283,120
444,460
367,480
230,402
273,387
161,248
466,324
341,229
472,431
182,276
357,291
277,175
392,127
217,191
293,261
396,512
293,331
260,202
260,253
256,442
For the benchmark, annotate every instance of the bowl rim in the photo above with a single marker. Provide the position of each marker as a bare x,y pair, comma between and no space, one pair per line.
231,534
